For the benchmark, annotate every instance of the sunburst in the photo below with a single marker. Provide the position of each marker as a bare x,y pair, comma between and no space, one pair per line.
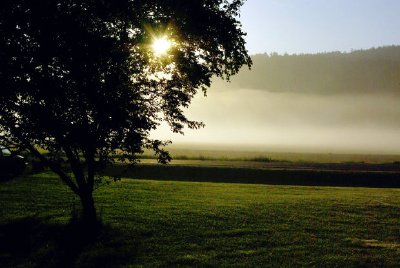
161,45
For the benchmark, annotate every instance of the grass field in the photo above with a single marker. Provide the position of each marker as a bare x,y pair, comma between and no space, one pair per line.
170,223
250,154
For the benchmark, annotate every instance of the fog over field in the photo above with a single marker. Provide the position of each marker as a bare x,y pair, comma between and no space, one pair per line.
325,120
293,121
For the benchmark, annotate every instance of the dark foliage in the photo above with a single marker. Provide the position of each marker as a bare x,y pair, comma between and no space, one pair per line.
79,79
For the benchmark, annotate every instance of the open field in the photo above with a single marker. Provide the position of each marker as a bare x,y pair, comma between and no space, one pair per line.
170,223
262,155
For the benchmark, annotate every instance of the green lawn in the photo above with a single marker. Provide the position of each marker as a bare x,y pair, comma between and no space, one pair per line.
167,223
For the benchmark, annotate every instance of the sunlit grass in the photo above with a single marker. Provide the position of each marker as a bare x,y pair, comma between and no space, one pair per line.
166,223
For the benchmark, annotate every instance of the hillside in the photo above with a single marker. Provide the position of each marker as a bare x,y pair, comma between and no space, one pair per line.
375,70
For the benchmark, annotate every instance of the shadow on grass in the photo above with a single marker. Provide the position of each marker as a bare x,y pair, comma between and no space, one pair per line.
30,242
7,177
259,176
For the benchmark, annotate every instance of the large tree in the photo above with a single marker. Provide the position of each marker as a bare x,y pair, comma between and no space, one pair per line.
85,80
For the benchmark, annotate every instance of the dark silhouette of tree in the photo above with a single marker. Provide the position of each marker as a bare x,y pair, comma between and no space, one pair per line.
79,79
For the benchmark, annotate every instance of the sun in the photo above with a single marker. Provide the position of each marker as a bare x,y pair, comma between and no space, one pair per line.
161,46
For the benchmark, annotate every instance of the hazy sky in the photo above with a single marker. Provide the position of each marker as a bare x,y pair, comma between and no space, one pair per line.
297,26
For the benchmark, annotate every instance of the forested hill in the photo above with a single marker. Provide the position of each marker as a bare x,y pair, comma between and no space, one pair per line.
362,71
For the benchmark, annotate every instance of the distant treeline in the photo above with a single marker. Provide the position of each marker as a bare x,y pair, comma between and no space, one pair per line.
361,71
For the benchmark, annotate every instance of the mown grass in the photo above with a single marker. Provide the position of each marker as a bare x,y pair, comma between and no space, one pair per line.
168,223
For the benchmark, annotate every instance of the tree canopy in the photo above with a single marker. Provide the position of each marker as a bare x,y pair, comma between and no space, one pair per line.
79,78
370,71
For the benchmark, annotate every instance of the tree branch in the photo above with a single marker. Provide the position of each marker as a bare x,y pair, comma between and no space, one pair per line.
76,167
53,166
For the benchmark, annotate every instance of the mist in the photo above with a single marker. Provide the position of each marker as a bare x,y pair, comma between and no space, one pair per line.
294,121
326,102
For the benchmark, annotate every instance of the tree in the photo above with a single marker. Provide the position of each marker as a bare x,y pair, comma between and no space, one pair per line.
80,79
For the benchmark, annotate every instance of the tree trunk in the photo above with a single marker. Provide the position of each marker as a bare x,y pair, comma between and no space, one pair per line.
89,215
